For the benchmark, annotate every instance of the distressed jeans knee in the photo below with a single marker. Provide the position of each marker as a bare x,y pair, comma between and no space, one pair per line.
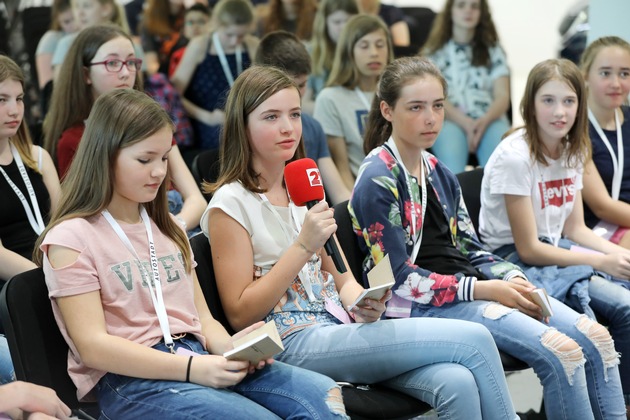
565,349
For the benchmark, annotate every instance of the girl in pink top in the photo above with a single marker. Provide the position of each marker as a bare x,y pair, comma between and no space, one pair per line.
120,274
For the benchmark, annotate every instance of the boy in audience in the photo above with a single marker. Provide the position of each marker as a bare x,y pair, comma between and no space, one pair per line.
284,50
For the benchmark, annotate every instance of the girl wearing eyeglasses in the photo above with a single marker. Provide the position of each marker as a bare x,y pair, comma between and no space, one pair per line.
100,60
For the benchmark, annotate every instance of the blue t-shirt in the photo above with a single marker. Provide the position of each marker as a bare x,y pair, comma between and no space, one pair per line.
314,138
603,162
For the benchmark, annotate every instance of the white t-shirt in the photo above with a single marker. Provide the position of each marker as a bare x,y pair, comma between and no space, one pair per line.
268,234
512,170
343,113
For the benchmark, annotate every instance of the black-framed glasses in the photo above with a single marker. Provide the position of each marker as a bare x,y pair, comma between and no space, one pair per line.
115,65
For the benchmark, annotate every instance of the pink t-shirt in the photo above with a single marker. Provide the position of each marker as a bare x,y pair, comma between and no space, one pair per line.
105,264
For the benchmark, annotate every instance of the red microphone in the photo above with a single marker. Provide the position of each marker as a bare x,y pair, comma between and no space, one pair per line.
305,187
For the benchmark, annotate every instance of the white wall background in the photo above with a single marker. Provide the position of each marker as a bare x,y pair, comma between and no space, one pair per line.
528,30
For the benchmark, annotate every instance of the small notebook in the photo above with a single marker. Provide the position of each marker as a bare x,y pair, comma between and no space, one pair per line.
260,344
540,298
380,279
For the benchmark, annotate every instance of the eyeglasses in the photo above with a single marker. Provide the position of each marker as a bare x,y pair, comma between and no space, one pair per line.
114,66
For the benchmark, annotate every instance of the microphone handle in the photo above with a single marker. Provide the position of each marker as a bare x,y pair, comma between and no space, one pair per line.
331,247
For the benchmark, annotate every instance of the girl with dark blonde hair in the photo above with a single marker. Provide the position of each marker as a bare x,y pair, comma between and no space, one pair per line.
142,339
464,44
407,205
273,268
211,63
605,65
532,212
29,188
363,51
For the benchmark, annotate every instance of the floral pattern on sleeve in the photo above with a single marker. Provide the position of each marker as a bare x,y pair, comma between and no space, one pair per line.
379,194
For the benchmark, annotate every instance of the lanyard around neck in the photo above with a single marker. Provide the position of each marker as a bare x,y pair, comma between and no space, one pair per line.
222,58
616,160
34,216
291,233
362,97
155,286
390,145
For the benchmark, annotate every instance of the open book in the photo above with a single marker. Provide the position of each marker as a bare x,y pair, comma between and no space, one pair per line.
258,345
380,279
540,298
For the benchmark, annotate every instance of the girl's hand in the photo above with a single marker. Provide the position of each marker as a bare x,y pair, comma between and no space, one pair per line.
243,333
372,310
33,398
217,371
477,129
511,294
319,225
617,265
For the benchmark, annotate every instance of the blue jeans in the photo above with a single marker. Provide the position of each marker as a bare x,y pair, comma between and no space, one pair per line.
572,390
277,391
7,374
452,365
451,146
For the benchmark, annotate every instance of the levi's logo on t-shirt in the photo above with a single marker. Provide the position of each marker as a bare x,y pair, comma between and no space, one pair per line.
558,191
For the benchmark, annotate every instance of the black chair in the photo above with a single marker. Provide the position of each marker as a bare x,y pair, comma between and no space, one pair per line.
419,20
348,242
470,181
205,167
362,402
37,347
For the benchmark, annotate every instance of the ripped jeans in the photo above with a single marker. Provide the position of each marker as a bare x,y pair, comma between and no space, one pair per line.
277,391
578,368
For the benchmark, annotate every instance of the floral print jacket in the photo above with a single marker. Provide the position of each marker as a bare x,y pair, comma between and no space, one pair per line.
381,208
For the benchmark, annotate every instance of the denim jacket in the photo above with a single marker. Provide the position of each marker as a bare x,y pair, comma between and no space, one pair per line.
381,208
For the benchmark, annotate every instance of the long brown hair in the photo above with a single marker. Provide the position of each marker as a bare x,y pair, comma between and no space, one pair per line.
306,13
344,71
9,70
398,74
58,7
324,47
485,36
157,18
72,97
251,88
576,143
119,119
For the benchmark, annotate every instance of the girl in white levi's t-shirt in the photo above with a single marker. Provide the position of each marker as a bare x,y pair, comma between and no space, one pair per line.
532,213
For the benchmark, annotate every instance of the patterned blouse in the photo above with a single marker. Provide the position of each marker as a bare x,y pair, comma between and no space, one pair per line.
381,208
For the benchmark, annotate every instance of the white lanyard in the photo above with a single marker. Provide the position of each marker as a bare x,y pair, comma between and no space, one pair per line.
155,286
390,145
362,97
36,221
291,233
617,163
224,64
553,238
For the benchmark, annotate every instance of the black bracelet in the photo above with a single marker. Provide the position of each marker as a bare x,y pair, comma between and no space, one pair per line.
188,369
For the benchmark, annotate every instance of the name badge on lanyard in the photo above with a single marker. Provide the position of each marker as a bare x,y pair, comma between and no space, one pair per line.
34,216
155,286
291,234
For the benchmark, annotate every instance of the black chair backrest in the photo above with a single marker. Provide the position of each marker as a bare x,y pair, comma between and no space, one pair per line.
470,182
208,282
38,349
349,241
205,167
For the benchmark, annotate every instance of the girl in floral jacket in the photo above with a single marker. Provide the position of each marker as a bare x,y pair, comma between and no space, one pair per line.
408,205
